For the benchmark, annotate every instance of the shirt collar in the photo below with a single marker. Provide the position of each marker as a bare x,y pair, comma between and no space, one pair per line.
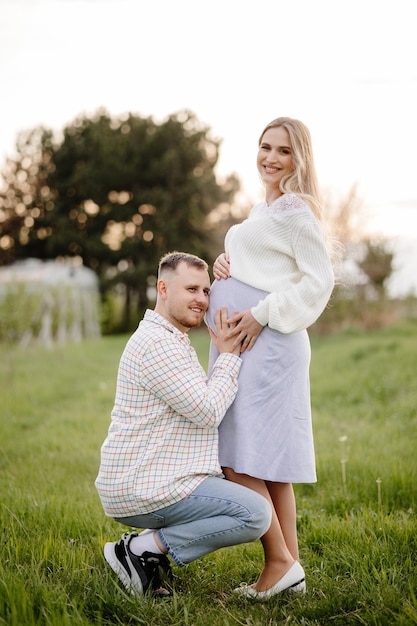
156,318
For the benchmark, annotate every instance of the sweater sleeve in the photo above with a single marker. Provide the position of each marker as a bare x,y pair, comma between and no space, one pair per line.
300,305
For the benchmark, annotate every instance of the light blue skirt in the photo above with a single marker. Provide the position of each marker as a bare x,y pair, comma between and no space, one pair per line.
267,432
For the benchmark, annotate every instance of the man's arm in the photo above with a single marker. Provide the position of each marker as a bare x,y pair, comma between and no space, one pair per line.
171,371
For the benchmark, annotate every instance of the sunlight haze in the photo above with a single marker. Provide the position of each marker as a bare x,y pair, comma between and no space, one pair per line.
347,69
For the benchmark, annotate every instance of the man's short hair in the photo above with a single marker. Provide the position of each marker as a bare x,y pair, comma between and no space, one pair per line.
171,261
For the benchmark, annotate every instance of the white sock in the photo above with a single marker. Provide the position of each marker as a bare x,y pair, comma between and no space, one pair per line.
144,542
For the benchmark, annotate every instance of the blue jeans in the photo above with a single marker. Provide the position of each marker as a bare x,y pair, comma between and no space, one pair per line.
217,514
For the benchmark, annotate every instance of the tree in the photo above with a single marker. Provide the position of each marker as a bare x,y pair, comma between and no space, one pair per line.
26,199
116,192
362,270
377,265
368,262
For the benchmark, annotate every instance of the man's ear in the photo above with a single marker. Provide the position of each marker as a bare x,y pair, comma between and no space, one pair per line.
162,288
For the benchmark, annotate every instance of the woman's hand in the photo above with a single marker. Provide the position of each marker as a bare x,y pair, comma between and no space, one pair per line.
245,329
221,267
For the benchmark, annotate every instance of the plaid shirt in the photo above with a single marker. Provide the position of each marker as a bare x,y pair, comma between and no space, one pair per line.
162,441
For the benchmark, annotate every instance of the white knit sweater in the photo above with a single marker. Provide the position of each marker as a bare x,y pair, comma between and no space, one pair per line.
280,249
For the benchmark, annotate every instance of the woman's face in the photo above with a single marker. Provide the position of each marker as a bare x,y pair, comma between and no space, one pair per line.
274,158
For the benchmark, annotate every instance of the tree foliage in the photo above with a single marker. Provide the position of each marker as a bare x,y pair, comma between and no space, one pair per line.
377,264
367,262
116,192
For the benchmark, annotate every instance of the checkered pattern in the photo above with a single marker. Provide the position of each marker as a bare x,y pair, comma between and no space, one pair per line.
162,440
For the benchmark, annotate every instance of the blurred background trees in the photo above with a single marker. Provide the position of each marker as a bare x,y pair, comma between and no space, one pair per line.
363,270
116,194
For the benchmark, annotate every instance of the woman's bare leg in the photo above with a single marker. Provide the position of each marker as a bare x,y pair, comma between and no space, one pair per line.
282,496
278,558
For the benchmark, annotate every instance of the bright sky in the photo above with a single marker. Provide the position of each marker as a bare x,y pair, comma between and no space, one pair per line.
347,68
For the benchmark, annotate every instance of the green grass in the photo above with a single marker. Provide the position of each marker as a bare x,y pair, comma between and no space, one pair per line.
358,537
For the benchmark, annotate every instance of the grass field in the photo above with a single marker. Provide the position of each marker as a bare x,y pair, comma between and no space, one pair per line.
357,525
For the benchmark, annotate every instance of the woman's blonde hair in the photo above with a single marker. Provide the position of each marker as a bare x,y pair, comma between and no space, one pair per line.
303,180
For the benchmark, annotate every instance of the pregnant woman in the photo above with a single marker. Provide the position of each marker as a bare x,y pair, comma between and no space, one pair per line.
275,278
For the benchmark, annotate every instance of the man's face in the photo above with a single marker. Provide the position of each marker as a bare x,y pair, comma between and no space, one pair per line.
185,296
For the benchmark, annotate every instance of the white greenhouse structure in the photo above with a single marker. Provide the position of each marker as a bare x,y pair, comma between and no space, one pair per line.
48,302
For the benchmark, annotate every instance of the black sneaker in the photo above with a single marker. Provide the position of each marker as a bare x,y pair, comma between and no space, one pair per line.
138,573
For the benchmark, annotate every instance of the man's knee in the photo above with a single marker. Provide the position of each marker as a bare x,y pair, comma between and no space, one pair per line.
261,516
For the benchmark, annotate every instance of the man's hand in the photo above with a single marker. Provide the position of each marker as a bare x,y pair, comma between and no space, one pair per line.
222,339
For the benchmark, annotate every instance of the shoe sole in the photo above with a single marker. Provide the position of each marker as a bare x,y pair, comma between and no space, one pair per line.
133,583
285,584
247,591
299,588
